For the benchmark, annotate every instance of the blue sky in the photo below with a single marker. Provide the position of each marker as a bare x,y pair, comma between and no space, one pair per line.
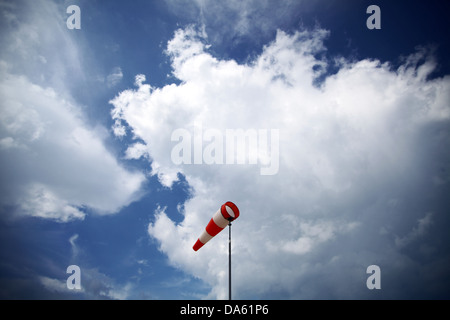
88,175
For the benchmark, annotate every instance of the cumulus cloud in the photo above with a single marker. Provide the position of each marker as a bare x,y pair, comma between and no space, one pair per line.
360,153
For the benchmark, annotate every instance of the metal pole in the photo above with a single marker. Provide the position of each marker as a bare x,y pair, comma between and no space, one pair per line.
229,260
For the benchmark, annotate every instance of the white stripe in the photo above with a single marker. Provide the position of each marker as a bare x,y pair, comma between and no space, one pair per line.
205,237
219,219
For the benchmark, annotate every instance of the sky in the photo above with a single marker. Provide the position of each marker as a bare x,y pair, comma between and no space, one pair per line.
120,139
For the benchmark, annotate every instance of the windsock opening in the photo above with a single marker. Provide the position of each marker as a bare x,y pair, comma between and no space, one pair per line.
229,211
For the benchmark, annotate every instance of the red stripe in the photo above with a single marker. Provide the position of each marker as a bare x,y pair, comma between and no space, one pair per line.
197,245
212,228
224,212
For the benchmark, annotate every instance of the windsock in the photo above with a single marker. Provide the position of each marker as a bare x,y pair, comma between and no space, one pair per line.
227,213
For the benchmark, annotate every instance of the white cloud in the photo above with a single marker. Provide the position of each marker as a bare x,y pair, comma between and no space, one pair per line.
37,44
136,151
347,148
53,164
38,201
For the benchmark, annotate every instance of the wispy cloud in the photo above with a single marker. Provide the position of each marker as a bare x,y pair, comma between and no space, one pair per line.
58,286
230,23
418,231
75,249
55,164
94,285
114,77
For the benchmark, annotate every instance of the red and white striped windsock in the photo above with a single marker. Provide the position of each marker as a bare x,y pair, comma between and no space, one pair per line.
227,213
